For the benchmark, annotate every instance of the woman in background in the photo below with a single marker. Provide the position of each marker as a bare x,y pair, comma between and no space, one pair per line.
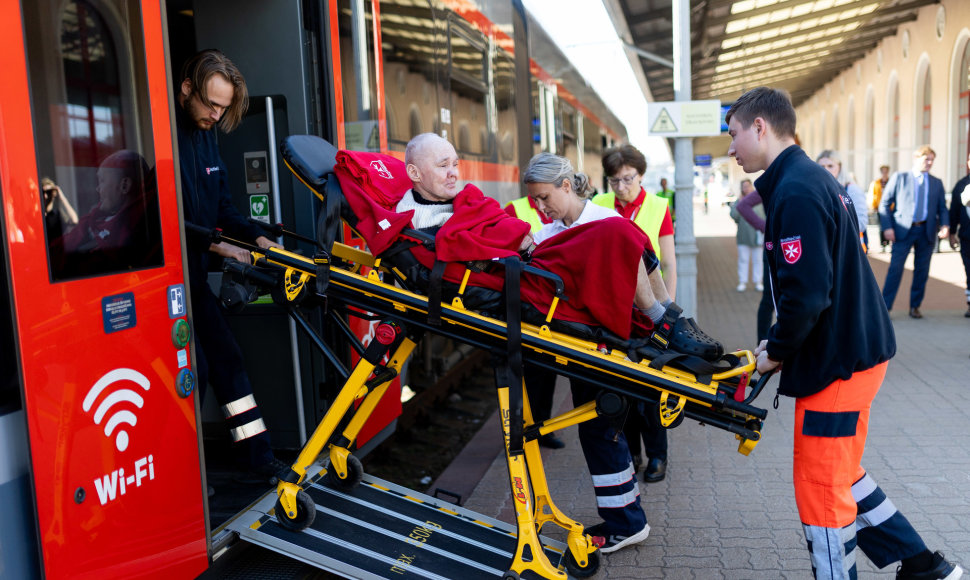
832,162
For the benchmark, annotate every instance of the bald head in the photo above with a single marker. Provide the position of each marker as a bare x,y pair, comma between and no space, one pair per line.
432,165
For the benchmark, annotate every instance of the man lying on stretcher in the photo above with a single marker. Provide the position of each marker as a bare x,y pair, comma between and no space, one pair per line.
606,265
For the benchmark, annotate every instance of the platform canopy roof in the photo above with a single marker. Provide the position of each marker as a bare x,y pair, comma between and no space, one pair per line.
798,45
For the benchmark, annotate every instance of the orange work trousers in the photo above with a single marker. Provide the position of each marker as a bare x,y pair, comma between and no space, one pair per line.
830,437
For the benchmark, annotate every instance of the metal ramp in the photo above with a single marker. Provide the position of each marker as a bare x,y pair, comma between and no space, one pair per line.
380,530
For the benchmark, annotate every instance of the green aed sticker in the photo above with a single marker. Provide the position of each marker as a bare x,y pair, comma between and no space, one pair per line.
259,207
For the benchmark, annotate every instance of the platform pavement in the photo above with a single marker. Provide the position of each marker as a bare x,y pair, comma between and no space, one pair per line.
719,514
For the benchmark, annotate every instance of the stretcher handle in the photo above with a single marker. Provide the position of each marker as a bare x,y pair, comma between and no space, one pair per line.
260,277
213,235
758,387
277,230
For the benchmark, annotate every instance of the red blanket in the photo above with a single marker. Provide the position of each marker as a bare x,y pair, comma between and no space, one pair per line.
373,183
479,230
597,262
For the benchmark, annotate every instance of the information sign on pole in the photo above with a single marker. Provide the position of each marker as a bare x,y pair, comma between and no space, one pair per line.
684,118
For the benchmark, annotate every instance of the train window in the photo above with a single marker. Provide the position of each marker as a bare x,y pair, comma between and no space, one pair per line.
592,140
358,76
469,88
538,131
592,151
504,81
92,127
567,133
409,53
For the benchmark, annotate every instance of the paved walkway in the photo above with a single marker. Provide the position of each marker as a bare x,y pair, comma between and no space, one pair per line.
719,514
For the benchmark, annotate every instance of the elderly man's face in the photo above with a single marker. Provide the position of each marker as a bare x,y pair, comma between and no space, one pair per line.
434,171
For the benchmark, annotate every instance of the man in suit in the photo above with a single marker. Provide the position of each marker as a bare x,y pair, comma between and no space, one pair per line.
912,214
960,225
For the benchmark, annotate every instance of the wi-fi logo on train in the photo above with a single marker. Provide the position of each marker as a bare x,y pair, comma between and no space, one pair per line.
112,411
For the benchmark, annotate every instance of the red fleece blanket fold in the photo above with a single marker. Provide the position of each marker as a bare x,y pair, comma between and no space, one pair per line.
597,262
373,183
478,230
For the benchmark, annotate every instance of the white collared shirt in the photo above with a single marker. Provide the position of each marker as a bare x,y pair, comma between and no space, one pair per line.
591,212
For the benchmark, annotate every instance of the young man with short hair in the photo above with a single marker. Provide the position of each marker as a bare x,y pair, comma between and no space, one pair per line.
835,339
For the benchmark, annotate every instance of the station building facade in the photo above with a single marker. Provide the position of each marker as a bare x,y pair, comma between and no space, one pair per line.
912,89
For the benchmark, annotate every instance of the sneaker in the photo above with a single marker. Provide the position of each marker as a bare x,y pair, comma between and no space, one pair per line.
742,287
941,570
613,542
265,473
759,287
967,313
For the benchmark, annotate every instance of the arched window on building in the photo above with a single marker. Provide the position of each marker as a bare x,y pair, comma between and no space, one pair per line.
809,144
926,116
849,154
893,108
963,110
869,134
821,143
835,129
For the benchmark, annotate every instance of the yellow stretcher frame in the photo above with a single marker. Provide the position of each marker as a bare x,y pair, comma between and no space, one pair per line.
679,393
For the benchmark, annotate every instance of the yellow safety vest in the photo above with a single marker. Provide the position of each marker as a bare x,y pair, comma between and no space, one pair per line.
649,218
526,213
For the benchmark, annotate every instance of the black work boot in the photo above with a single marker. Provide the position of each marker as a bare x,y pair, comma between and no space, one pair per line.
939,569
679,334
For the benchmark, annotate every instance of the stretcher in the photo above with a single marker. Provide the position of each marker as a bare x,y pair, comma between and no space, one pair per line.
347,281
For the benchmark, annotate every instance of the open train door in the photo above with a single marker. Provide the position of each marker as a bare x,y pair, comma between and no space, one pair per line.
99,300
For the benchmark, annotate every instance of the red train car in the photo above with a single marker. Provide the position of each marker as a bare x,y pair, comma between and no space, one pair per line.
102,470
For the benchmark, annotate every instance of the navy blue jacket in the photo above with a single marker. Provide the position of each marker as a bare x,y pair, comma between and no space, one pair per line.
206,200
959,213
832,320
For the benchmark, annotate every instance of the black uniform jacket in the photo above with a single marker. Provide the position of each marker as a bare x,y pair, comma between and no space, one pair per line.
832,320
206,201
959,213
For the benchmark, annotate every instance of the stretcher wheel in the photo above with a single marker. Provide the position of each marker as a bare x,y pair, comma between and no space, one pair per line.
355,474
306,512
511,575
577,571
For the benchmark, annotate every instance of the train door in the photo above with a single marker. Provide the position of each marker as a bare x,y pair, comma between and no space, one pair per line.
289,51
93,247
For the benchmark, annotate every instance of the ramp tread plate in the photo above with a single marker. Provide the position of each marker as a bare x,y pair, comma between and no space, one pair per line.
379,530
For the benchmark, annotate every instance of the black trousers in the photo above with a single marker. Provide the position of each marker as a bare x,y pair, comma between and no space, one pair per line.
219,362
643,424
